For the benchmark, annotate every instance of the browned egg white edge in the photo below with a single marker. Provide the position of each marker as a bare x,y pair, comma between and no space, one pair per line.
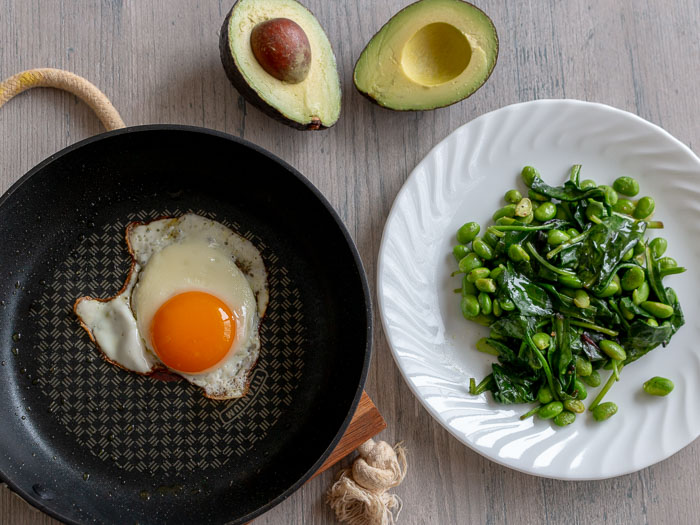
159,370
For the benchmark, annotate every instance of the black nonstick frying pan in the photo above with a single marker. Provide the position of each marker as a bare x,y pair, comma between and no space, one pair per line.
86,441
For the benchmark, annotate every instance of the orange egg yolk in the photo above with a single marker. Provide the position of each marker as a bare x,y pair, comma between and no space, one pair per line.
192,331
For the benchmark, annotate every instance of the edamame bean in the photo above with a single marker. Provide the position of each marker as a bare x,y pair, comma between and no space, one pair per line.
645,207
595,209
572,232
496,308
660,310
641,294
610,195
550,410
574,405
460,251
507,305
485,303
490,238
667,262
613,350
482,345
658,246
626,186
513,196
470,306
544,395
658,386
611,289
583,367
485,285
592,380
604,411
529,174
632,279
580,390
640,247
581,299
482,249
534,196
628,255
467,232
570,281
545,212
506,211
564,418
556,237
498,270
468,263
625,206
506,221
542,340
652,322
523,208
626,313
468,287
517,253
528,219
478,273
587,184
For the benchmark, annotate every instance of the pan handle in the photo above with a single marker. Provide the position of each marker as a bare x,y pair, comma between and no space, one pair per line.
66,81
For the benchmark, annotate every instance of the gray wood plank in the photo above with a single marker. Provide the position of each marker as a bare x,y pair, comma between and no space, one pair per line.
158,62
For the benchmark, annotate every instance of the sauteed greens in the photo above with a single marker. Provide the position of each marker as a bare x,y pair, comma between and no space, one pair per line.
569,286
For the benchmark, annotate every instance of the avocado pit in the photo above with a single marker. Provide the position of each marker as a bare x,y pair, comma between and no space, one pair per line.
282,48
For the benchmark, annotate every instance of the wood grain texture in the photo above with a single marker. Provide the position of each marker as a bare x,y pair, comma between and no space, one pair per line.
158,62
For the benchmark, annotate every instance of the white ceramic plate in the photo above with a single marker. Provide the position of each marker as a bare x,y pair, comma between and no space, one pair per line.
464,178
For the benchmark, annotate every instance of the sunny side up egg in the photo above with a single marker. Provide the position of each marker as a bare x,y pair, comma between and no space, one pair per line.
192,304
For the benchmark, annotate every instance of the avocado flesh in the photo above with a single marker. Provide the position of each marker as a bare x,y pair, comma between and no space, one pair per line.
313,103
431,54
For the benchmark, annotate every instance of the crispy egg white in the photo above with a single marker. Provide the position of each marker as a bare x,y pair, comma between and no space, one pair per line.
177,264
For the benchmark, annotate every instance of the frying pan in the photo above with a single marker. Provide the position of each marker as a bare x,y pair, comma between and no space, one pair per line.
85,441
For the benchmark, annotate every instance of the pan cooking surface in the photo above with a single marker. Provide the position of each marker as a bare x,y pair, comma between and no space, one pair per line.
88,441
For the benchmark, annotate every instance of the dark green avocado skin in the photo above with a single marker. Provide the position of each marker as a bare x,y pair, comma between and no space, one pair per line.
251,96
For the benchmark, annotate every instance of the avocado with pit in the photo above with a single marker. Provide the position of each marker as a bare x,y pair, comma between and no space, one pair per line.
431,54
278,57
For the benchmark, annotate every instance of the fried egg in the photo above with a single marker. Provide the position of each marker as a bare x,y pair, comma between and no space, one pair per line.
192,304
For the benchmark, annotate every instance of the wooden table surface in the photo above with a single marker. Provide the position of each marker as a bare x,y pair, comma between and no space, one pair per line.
158,61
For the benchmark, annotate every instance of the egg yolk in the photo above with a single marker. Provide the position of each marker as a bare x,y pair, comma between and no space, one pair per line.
192,331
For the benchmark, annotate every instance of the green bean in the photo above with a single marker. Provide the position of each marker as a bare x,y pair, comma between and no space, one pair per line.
597,328
542,340
556,237
564,418
550,410
523,208
485,303
581,299
545,212
482,345
641,294
658,386
613,350
468,263
478,273
468,232
470,306
544,395
513,196
658,246
517,253
575,406
580,389
460,251
468,287
645,207
506,305
625,206
604,411
587,184
482,249
660,310
592,380
667,262
671,271
485,285
632,278
506,211
529,174
610,195
626,186
583,367
530,413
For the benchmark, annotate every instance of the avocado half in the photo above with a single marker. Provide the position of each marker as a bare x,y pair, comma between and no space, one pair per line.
313,103
431,54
